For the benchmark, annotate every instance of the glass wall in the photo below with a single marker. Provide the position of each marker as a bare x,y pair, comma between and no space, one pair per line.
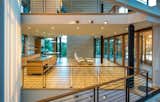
64,46
23,46
147,47
142,49
106,48
118,50
111,49
46,45
126,50
98,48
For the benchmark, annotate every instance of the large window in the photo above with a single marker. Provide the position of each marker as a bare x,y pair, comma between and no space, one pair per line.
111,49
147,46
126,50
118,53
64,46
47,45
148,2
105,48
98,48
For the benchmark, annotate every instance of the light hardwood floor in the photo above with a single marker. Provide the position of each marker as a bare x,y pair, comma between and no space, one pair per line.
68,74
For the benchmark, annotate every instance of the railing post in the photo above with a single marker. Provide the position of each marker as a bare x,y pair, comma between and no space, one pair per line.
94,95
97,94
146,84
127,90
23,76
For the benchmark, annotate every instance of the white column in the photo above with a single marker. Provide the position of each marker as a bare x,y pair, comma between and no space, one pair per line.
156,55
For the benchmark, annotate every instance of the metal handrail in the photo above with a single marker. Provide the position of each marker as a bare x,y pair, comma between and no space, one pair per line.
81,90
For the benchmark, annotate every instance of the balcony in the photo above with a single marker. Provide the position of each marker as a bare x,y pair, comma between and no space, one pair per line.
71,6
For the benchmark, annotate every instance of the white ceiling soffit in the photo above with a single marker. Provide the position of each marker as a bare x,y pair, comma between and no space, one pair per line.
52,30
84,19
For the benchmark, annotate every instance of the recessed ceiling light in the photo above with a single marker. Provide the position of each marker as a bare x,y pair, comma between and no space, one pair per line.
105,22
102,27
44,32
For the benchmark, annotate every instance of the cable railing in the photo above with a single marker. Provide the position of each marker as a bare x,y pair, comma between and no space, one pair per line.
119,90
69,7
75,77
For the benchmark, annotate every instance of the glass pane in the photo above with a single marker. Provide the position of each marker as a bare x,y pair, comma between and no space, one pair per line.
111,52
105,48
98,48
119,50
126,50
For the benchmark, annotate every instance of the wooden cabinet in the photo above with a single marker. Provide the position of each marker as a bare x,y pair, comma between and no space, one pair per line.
40,65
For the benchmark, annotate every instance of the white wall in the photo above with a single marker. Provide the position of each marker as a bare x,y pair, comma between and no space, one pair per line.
156,55
12,51
81,44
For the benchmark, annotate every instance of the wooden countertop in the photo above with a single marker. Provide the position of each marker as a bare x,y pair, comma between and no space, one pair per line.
41,58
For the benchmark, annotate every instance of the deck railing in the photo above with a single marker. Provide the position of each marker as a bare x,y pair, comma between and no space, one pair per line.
118,90
75,77
68,6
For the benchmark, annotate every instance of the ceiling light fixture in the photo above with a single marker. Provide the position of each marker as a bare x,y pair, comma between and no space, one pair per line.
105,22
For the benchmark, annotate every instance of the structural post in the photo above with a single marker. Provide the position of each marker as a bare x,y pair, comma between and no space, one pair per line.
102,49
102,7
131,54
145,48
141,48
123,50
137,52
2,24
